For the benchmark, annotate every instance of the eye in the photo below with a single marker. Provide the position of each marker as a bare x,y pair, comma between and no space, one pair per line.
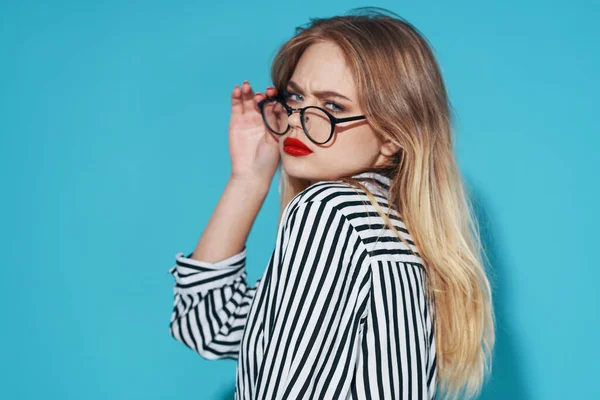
329,105
336,108
289,96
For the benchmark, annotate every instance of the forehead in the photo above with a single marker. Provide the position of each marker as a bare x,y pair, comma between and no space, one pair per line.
322,67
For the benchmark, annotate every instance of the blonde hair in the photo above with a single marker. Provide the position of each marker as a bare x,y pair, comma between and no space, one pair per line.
402,93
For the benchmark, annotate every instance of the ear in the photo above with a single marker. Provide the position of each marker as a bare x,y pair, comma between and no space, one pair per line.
388,148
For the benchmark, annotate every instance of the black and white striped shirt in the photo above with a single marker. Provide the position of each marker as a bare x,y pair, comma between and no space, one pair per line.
340,312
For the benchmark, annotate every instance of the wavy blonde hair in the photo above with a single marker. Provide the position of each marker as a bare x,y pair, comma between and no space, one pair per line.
402,93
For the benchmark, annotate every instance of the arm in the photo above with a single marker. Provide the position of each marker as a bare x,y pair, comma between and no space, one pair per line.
411,331
399,360
313,337
229,226
211,296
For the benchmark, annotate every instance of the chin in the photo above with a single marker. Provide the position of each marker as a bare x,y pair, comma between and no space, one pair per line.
294,166
294,169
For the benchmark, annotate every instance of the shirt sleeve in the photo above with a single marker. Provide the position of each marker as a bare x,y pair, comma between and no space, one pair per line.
211,304
321,286
400,358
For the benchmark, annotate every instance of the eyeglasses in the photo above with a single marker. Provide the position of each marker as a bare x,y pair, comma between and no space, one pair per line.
318,123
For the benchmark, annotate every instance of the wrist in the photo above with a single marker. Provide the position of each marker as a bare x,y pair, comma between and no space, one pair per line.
250,184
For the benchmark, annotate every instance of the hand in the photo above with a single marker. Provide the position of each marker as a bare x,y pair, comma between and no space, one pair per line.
253,147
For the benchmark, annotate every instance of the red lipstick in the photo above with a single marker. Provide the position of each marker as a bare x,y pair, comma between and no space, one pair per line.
295,147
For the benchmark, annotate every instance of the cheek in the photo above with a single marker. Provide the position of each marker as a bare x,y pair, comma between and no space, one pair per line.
360,142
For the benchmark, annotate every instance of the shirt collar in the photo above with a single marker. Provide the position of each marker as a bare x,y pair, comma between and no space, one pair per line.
375,181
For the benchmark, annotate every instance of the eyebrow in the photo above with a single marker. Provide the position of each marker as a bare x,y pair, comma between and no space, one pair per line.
321,93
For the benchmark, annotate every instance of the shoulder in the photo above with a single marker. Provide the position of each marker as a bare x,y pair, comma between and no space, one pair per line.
333,197
314,223
340,201
336,194
351,201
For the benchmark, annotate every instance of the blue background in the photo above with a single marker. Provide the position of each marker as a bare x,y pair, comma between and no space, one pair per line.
113,154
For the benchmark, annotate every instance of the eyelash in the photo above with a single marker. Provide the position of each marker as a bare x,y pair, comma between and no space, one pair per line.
287,94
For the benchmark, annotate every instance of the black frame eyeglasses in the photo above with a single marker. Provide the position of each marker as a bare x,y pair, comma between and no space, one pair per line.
290,110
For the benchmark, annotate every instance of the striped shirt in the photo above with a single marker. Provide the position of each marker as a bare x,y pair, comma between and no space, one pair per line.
339,313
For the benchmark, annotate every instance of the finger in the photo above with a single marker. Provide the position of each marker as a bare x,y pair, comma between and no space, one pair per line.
247,97
271,91
236,100
258,97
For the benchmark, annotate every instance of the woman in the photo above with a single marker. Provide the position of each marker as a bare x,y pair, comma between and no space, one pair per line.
376,286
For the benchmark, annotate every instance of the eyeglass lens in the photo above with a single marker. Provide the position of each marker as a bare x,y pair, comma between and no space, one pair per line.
316,123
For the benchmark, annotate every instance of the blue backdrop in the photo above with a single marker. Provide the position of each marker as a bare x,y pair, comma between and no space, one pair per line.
113,154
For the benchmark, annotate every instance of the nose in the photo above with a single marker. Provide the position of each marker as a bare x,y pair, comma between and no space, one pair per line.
294,120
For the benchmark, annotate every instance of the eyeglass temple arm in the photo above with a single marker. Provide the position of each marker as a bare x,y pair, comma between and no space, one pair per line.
348,119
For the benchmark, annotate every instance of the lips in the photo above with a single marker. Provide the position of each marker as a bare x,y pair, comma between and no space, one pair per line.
293,142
